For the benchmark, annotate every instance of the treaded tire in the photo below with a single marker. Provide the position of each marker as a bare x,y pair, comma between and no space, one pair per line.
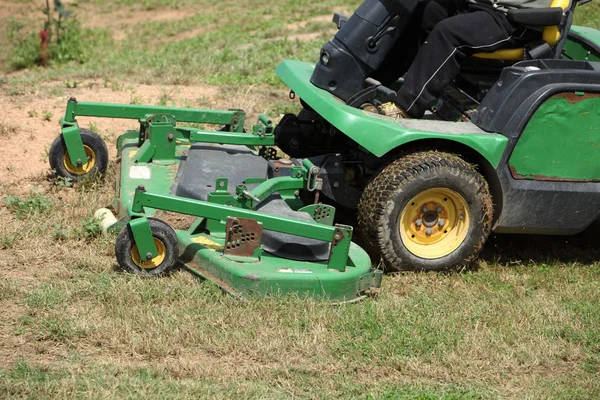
160,230
58,152
389,192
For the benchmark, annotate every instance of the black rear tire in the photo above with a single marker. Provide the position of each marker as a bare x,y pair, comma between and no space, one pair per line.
165,239
437,189
95,149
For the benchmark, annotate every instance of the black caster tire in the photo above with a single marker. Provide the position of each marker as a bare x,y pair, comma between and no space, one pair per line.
426,211
97,157
165,239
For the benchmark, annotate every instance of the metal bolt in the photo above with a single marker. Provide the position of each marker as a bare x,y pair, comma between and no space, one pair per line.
439,209
141,188
148,256
418,223
441,222
428,231
79,162
425,209
297,193
336,164
170,136
462,217
336,184
337,237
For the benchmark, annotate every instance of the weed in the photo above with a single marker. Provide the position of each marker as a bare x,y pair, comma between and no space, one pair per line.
46,298
6,241
165,96
7,129
116,86
93,127
90,228
32,113
53,328
34,204
136,100
60,233
25,47
46,115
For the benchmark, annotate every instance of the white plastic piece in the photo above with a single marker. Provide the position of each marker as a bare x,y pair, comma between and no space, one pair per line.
106,217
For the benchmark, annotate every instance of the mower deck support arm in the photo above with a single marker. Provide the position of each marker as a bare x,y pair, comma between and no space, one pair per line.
339,235
233,118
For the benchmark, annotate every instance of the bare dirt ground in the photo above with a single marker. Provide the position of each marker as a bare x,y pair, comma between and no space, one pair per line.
29,131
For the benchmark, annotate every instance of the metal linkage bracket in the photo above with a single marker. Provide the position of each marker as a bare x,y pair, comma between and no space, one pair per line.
340,247
263,127
244,237
160,142
313,182
321,213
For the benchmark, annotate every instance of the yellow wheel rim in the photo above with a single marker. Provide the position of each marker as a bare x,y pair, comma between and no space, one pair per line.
434,223
149,264
84,168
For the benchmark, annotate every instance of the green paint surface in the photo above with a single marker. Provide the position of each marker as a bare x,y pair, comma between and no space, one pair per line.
578,52
278,276
377,134
561,141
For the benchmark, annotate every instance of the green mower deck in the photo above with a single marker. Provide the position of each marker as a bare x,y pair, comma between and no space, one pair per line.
203,254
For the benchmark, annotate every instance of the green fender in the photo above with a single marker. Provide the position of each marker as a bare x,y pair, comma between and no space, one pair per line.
379,134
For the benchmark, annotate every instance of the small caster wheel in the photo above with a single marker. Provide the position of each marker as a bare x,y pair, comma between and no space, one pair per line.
95,150
165,239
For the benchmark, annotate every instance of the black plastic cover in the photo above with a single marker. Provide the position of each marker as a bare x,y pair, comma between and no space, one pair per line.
536,16
361,46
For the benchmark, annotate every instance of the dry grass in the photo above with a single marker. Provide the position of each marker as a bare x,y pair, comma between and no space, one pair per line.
72,326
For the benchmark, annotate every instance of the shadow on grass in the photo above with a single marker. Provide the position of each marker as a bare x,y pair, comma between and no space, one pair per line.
523,249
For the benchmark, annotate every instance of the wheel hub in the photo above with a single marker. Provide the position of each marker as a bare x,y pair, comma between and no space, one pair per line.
84,168
434,223
152,263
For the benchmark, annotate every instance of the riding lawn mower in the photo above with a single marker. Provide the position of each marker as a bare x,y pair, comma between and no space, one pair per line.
510,147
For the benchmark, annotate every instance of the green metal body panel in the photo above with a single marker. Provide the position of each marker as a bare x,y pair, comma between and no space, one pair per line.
155,178
578,52
375,133
561,141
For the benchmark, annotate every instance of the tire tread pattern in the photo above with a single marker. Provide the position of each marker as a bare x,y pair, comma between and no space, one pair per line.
372,212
